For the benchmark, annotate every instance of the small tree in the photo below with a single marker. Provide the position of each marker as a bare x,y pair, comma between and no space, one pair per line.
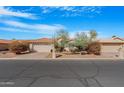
19,46
94,48
63,38
93,35
81,41
114,36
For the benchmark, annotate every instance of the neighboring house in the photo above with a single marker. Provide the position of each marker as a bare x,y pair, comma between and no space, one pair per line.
38,45
41,45
4,45
111,46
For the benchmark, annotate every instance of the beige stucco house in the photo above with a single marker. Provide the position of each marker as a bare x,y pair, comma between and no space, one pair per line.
41,45
38,45
4,44
111,46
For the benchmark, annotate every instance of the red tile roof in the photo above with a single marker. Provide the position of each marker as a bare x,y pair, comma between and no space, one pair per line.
112,40
42,40
122,39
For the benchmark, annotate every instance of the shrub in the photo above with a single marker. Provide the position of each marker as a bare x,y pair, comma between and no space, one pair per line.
73,49
19,46
94,48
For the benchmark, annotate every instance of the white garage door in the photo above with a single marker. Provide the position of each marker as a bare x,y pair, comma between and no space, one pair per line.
42,48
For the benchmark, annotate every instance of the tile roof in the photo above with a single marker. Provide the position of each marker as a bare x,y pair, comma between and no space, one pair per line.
112,40
42,40
49,40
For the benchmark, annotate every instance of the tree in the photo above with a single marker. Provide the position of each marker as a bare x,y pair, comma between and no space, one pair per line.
13,39
114,36
93,35
62,37
81,41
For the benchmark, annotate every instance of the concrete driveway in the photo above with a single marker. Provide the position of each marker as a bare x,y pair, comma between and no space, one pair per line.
61,73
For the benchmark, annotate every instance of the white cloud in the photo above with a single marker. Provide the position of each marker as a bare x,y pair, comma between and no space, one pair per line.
8,12
36,28
67,8
16,24
67,11
10,29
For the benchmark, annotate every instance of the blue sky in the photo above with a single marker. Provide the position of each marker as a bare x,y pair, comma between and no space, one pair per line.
27,22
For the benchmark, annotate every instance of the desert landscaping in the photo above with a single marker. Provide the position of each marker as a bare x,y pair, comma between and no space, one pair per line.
62,46
87,45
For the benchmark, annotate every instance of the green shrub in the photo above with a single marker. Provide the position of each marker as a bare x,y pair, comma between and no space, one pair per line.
19,46
94,48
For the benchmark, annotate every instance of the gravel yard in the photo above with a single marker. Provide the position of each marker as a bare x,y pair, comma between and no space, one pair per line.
6,54
62,55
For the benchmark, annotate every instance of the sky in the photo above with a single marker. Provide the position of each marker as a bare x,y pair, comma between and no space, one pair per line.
33,22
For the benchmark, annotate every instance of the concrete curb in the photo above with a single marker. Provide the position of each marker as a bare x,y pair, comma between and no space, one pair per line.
62,59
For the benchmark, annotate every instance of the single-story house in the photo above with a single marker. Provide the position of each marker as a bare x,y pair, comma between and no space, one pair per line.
4,44
41,45
111,46
38,45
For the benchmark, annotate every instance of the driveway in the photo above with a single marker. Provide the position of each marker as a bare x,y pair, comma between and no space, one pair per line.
36,55
61,73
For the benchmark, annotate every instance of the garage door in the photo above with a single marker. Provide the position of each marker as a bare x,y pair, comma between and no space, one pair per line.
42,48
110,47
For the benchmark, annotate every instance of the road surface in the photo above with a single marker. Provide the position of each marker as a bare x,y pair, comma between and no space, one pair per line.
61,73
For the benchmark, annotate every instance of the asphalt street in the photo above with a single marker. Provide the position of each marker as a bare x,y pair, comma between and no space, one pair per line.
61,73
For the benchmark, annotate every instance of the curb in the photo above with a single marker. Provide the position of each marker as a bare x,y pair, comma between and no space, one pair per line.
115,59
